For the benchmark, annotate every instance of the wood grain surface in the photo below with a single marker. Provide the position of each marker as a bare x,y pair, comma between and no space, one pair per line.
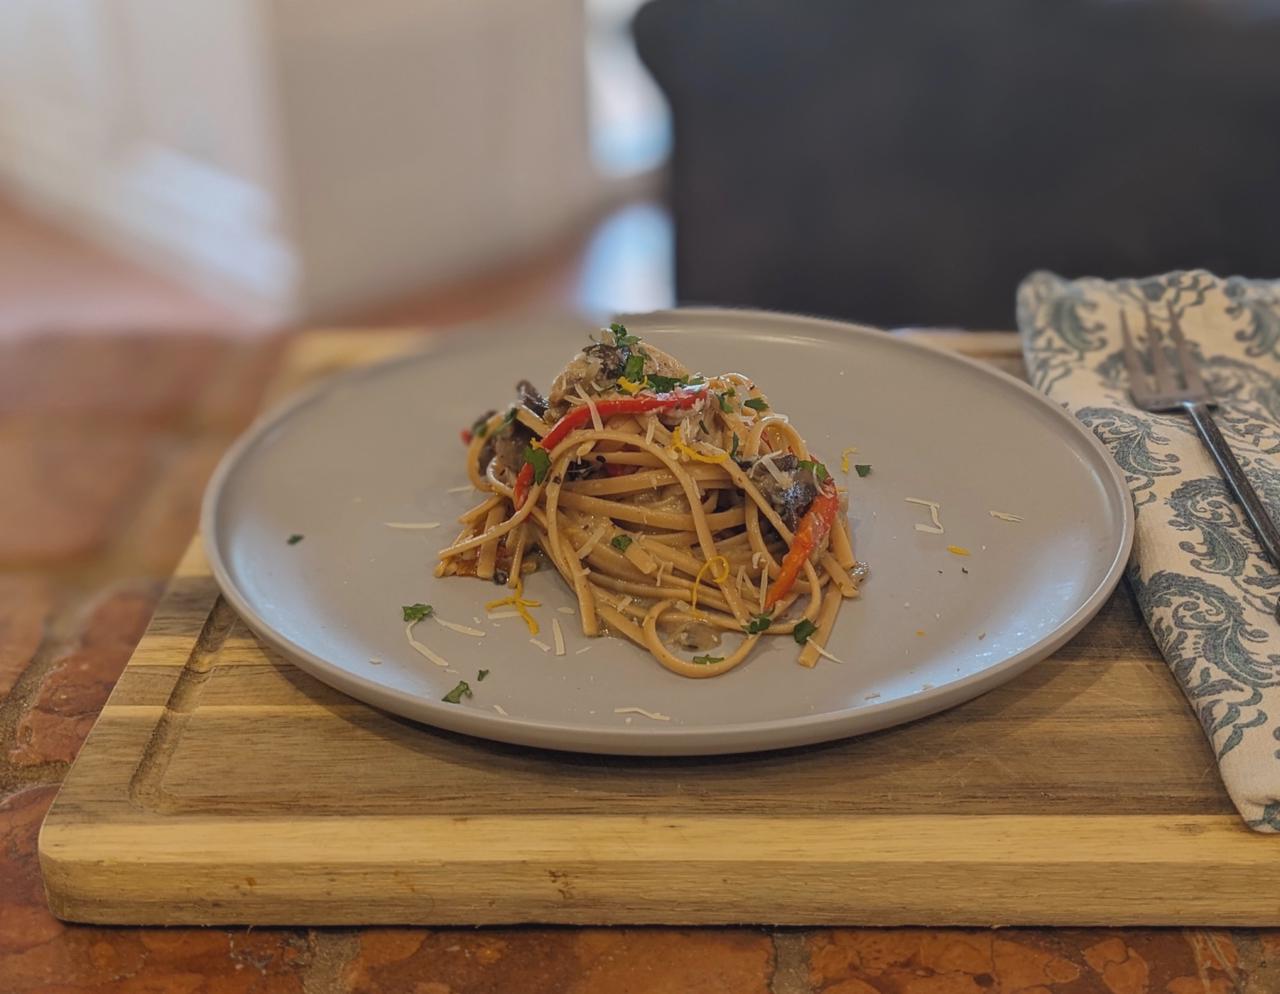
222,785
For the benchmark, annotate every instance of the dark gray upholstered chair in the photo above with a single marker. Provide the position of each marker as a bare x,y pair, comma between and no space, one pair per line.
908,163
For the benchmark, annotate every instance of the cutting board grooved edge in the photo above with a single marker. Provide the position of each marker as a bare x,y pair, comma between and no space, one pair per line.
145,786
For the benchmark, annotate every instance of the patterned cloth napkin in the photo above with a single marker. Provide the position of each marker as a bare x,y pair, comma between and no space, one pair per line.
1204,586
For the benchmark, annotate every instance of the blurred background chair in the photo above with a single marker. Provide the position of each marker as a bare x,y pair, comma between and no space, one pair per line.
908,163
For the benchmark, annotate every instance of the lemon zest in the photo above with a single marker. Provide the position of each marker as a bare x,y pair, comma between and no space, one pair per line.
679,445
957,550
844,458
518,601
697,580
629,386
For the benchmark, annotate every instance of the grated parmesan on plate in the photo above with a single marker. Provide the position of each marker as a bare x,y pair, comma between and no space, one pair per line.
501,710
460,629
410,526
931,529
641,711
541,645
558,636
422,649
1006,516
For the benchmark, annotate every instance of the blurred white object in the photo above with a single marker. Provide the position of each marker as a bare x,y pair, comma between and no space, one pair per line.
301,159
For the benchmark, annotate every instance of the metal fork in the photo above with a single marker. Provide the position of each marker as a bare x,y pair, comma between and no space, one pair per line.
1193,398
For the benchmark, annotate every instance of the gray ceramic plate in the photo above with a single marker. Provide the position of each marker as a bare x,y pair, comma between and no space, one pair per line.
381,445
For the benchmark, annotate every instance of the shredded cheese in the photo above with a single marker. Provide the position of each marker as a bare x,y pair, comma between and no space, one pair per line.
501,710
757,558
650,427
683,449
558,635
565,610
591,541
764,586
460,629
719,577
823,652
418,525
458,490
579,652
623,602
596,423
1006,516
518,601
931,529
779,477
743,582
541,645
844,458
498,616
641,711
424,650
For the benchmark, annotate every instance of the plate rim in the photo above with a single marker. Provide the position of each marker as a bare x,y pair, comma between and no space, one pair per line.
771,734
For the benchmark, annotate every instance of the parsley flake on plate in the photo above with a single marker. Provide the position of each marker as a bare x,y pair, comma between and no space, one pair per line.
622,542
708,660
481,675
416,612
863,469
295,538
456,695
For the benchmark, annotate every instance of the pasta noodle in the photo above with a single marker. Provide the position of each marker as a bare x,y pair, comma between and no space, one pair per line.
684,512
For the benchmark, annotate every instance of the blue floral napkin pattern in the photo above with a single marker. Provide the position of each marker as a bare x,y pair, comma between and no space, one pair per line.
1204,586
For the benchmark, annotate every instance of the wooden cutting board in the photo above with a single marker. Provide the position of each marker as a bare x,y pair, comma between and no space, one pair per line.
222,785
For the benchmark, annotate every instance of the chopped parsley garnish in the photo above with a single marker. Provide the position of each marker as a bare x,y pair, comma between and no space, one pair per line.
507,418
620,336
481,427
816,468
756,404
803,630
724,402
708,660
537,457
456,695
295,538
664,384
481,675
622,542
695,381
416,612
634,369
758,624
733,450
863,469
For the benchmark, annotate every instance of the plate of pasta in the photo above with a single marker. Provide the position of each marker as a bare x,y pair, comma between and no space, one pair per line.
690,532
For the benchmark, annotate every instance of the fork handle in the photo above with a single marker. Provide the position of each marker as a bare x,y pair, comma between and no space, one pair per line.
1254,509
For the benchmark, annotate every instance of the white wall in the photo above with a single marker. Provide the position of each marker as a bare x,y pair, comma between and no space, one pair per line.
301,158
427,138
148,125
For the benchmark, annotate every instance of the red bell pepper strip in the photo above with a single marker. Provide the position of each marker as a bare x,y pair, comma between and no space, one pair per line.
606,408
814,528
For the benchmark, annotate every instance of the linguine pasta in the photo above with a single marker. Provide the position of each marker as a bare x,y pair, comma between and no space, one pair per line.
683,511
